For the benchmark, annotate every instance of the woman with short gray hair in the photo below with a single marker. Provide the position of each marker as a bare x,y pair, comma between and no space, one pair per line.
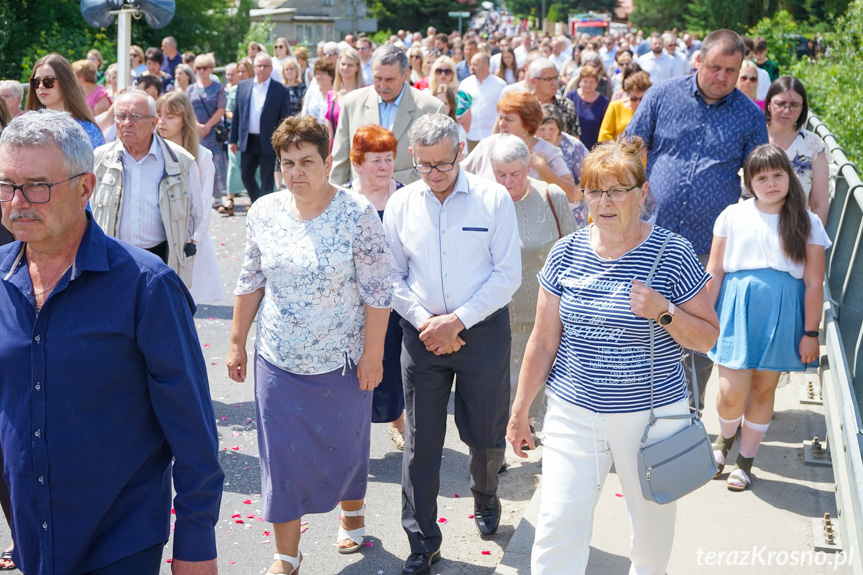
12,93
544,217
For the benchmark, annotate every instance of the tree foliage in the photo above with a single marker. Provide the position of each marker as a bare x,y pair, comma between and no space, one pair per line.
834,83
659,15
564,7
260,32
29,29
417,15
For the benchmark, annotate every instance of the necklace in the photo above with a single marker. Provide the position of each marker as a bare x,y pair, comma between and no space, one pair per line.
48,290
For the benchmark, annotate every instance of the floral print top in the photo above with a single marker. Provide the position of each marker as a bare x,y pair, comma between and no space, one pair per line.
317,275
802,152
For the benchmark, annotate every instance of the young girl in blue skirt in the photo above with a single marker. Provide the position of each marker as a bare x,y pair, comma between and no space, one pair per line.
767,266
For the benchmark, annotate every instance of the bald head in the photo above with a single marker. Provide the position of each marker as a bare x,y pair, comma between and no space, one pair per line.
479,65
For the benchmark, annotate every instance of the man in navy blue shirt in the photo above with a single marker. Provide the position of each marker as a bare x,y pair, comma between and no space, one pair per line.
699,129
102,381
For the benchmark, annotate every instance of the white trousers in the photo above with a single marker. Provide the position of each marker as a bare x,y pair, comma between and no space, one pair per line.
579,447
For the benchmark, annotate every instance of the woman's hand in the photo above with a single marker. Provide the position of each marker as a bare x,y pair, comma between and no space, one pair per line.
203,130
646,302
808,349
538,161
518,434
237,362
370,371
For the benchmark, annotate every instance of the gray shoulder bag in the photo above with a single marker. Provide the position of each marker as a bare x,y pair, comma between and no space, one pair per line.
683,462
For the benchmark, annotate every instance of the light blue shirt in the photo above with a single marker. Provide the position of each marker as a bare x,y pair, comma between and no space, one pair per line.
388,111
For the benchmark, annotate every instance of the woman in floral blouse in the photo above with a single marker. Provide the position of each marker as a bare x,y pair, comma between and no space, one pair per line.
318,267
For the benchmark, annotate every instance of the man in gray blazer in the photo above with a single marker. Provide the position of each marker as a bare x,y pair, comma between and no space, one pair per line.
389,102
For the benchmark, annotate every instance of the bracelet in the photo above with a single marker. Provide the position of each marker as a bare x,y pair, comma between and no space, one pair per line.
810,333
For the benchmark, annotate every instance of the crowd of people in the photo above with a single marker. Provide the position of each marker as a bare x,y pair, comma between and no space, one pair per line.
437,213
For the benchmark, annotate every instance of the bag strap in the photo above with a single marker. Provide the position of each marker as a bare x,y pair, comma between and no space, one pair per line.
652,323
207,108
547,197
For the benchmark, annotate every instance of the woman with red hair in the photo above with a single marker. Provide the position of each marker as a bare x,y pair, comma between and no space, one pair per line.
373,156
520,114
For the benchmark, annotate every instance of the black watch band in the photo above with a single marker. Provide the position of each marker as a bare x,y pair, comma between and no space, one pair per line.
811,333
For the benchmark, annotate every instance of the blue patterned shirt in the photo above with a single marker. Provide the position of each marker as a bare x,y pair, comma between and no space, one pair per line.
695,152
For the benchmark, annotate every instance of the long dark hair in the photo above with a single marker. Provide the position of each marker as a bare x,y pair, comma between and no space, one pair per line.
784,84
70,89
794,224
501,71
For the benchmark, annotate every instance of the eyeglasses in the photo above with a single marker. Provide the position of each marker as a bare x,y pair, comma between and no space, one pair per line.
548,79
35,193
427,168
202,67
134,118
262,66
614,195
443,71
48,82
417,56
279,47
779,105
749,78
134,56
331,53
363,48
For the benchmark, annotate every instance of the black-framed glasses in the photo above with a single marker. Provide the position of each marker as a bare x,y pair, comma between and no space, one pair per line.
48,82
615,195
444,167
134,118
779,105
34,193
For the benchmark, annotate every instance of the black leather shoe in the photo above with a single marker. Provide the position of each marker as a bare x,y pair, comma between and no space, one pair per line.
487,517
420,562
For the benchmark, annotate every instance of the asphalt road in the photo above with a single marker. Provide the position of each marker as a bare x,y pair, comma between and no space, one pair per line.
243,537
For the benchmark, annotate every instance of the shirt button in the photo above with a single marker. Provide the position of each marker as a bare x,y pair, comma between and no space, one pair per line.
41,479
38,338
38,386
45,525
38,433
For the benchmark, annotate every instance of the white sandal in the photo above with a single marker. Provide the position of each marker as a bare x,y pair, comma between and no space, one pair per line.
356,535
294,561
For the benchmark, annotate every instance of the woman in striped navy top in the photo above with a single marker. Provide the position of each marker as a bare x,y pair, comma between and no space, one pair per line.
591,340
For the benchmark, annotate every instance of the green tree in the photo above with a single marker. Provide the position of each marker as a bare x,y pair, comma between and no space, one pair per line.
778,32
417,14
834,83
658,15
260,32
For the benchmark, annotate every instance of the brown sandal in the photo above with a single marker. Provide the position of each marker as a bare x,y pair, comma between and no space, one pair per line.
227,209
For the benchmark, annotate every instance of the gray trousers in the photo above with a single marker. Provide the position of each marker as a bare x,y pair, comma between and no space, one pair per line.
703,364
481,372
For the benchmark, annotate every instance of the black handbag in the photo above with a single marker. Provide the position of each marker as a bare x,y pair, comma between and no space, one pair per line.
677,465
220,130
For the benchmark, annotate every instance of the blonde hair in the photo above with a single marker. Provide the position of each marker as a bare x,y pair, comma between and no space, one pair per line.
353,55
443,61
178,103
85,70
207,60
292,64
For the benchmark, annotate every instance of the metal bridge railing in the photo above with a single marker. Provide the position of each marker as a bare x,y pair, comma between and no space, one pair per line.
841,370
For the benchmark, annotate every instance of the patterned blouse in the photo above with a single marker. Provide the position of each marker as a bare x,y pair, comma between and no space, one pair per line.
317,275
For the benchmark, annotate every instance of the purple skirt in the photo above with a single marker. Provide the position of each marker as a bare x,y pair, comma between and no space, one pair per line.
313,440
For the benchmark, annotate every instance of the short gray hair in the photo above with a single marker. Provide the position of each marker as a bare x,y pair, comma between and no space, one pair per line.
537,66
508,149
151,103
15,87
431,129
45,127
387,55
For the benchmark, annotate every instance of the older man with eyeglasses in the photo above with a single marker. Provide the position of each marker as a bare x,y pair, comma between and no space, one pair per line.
148,190
456,264
103,388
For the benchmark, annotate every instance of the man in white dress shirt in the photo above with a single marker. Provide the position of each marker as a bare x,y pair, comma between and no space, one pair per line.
681,63
522,49
484,89
148,190
364,47
658,64
456,263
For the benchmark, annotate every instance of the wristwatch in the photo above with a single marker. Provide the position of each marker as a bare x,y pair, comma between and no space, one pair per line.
811,333
666,317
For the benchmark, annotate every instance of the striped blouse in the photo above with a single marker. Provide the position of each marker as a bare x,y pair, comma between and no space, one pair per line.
603,362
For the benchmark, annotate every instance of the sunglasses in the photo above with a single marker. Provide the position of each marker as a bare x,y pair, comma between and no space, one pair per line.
749,78
634,99
443,72
280,47
48,82
202,68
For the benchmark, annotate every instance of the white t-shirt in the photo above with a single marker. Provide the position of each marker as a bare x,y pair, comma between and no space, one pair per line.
484,98
753,239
